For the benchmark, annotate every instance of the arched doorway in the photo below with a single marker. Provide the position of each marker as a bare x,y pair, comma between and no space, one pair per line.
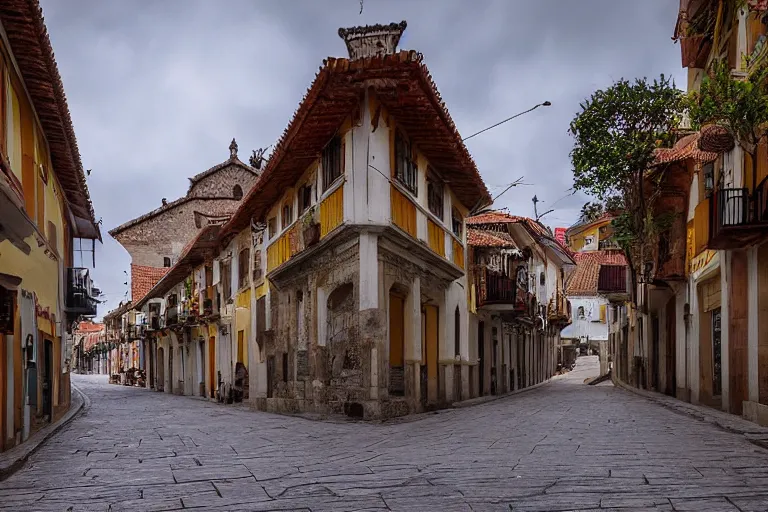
160,370
397,297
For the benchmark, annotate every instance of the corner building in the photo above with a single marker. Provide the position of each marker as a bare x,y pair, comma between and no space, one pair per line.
361,210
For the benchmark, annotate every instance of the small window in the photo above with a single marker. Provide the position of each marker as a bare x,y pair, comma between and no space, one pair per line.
305,198
272,227
580,313
166,262
435,195
287,215
542,279
242,267
331,162
237,192
226,279
405,167
456,223
52,240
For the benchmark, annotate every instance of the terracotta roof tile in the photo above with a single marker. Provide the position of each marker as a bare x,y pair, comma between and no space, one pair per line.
486,238
685,148
144,278
31,46
584,278
405,88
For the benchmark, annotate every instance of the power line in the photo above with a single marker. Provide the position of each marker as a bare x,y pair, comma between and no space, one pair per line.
545,104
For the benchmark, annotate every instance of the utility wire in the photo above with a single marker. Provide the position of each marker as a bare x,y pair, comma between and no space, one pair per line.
545,104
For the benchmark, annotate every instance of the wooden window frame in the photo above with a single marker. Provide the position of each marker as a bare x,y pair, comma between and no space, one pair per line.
332,162
457,223
243,264
435,195
305,197
272,227
406,170
286,215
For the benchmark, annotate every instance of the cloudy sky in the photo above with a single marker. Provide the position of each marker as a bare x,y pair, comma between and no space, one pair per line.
157,89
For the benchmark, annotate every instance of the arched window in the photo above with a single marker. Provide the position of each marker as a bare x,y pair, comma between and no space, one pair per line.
237,192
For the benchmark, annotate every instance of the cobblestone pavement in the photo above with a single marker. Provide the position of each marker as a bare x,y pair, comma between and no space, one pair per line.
563,446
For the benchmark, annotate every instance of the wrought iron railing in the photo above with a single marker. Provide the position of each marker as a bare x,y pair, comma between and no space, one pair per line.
81,295
734,207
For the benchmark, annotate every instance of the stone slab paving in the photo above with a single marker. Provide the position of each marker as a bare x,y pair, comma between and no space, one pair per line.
563,446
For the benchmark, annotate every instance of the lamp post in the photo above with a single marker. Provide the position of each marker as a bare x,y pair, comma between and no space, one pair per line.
544,104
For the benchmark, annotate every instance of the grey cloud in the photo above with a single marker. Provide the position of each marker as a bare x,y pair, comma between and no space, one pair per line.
157,89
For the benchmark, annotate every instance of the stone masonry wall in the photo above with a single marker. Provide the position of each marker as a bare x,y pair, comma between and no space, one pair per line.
166,234
222,182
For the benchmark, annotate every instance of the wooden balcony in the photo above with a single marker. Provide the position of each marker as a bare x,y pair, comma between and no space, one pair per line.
737,218
500,292
559,310
291,242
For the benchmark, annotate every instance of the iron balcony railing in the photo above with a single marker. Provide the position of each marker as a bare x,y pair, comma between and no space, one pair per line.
736,207
81,295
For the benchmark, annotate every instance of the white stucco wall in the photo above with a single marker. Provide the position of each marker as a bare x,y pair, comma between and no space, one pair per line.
586,327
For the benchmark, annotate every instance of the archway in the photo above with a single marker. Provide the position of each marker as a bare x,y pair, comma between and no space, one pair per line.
341,314
160,370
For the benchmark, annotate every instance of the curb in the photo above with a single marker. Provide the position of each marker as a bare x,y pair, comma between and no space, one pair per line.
471,402
13,460
752,432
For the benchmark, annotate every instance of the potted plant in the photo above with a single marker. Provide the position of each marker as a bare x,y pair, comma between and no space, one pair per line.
311,231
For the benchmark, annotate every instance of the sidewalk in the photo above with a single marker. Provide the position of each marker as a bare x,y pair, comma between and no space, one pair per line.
13,459
728,422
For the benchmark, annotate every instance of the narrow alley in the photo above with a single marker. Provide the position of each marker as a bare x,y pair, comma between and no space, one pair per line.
562,446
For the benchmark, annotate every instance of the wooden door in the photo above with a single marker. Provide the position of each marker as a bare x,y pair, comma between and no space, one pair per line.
671,350
212,365
431,351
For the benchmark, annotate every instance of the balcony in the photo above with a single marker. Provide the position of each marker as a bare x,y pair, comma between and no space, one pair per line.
171,315
612,282
81,295
738,218
500,292
559,310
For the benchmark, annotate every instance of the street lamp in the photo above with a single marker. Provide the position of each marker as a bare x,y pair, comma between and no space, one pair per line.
544,104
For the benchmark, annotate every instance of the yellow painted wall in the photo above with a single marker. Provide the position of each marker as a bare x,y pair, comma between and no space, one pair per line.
332,211
576,238
436,237
243,323
403,211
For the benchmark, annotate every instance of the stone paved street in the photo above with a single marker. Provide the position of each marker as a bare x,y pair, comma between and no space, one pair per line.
563,446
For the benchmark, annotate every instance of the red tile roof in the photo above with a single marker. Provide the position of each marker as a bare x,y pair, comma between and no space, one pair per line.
584,279
144,278
486,238
404,86
31,47
494,218
685,148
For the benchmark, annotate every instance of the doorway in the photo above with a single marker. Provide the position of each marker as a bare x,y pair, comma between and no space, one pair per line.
431,344
170,370
48,380
481,356
654,384
717,369
160,370
396,343
212,366
670,352
152,345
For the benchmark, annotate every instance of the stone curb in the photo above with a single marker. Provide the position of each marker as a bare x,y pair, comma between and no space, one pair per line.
492,398
12,460
752,432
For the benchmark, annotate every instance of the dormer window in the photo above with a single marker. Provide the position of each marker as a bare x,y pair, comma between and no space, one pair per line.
237,192
406,171
331,162
435,195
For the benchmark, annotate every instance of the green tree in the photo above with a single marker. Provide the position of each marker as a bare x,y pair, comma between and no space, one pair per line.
739,105
616,133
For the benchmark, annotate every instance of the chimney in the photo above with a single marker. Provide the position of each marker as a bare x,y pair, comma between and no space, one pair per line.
372,40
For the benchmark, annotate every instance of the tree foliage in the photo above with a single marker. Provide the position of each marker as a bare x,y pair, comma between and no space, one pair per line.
615,135
739,105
